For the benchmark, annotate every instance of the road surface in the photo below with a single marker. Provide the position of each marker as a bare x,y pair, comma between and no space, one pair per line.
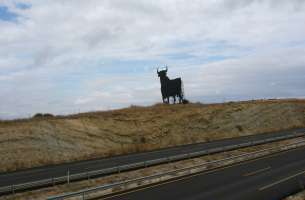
268,178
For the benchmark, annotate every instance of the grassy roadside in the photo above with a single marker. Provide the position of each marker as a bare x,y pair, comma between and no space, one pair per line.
36,142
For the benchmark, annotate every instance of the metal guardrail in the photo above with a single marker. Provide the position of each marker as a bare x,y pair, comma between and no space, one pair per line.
90,174
85,192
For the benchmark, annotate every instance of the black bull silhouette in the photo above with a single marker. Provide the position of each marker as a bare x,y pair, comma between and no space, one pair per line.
170,88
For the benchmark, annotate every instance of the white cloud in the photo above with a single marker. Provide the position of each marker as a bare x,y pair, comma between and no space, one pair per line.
64,55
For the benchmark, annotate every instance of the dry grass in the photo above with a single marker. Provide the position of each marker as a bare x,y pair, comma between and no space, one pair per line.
36,142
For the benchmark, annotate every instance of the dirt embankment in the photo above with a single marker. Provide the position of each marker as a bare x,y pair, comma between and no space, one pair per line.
36,142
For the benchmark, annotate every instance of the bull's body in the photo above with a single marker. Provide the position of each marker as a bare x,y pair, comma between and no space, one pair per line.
170,88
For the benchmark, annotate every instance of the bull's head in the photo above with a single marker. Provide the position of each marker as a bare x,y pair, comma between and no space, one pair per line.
162,73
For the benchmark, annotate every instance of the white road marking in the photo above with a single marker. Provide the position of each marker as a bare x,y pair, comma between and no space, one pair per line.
280,181
257,171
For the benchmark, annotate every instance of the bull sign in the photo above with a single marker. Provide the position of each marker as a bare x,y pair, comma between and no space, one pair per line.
170,88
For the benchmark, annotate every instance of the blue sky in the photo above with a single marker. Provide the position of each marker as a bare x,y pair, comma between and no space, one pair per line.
104,56
7,15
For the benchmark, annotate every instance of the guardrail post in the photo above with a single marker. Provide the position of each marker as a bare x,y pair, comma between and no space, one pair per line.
88,176
12,188
68,176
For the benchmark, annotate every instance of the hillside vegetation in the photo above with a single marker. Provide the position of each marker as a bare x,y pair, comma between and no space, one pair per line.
42,141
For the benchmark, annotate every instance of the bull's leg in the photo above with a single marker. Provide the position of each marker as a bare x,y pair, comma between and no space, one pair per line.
180,98
174,99
168,100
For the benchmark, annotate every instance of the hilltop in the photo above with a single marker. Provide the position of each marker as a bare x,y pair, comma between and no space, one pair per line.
52,140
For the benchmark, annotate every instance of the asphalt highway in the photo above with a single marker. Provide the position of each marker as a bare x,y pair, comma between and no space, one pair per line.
269,178
46,172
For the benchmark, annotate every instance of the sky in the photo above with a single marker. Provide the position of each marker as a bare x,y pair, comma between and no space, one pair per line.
73,56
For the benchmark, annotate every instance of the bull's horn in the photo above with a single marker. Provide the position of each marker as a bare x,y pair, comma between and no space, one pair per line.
166,68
